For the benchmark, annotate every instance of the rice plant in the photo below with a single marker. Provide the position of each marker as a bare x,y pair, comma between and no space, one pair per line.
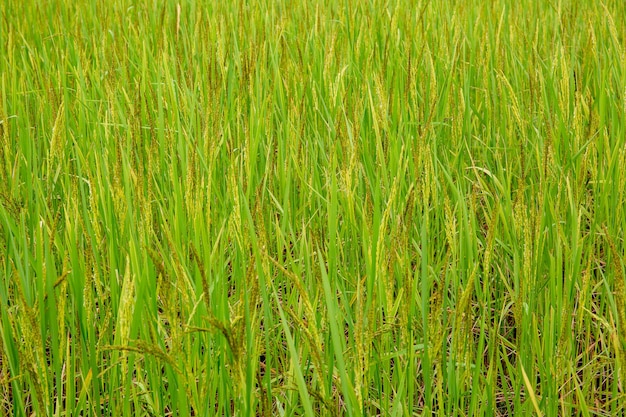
317,208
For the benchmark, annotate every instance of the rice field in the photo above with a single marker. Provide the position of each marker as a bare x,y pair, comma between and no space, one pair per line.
312,208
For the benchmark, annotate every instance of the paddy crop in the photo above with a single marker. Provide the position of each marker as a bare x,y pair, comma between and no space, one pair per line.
255,208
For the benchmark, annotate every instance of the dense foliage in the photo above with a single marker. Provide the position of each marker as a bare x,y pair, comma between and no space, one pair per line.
312,208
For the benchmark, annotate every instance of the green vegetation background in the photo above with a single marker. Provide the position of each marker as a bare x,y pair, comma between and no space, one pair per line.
312,208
